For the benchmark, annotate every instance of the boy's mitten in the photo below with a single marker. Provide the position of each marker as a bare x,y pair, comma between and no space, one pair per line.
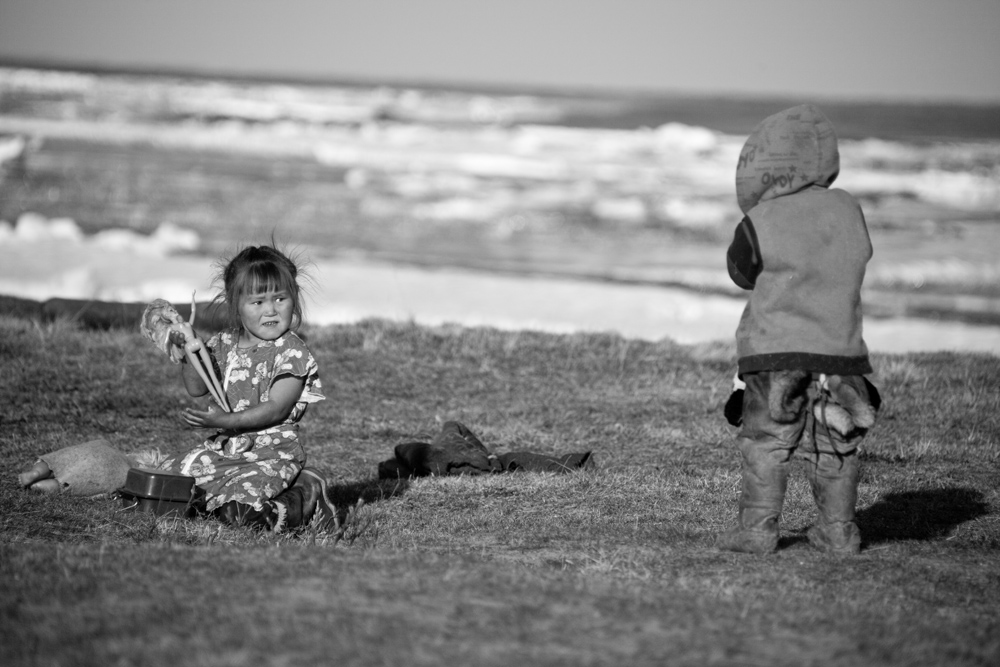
734,406
842,407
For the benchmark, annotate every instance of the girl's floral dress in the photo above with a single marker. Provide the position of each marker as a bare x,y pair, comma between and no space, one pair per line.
252,467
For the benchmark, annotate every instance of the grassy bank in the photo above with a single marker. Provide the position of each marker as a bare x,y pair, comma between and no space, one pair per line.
609,566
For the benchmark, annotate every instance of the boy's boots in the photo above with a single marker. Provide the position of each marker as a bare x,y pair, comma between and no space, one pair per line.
834,483
764,482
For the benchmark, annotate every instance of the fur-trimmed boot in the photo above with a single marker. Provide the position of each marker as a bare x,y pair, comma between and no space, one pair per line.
834,481
764,483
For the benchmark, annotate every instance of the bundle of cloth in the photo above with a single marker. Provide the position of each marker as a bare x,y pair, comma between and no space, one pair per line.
92,468
457,451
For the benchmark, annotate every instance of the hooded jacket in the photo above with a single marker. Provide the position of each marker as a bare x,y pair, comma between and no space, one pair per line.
802,249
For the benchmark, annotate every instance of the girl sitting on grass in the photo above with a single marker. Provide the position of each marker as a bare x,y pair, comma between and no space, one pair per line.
252,469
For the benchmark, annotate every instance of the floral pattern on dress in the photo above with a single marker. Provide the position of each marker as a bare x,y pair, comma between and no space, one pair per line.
253,467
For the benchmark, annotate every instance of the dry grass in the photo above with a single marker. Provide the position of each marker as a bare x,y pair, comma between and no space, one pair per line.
610,566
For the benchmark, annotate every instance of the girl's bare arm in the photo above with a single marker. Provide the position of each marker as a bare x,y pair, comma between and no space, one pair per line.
192,380
183,336
284,393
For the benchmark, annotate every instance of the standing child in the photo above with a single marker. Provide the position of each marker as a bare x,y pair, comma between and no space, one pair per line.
252,469
802,249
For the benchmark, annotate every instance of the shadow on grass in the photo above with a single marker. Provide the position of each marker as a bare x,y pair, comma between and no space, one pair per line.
346,497
919,515
912,515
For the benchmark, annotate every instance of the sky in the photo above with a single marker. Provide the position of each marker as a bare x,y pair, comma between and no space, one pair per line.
917,50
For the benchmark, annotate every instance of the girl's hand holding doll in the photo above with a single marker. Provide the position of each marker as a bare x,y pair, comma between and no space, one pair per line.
183,337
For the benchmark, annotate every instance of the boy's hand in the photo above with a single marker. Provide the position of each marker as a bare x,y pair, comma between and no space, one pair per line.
743,257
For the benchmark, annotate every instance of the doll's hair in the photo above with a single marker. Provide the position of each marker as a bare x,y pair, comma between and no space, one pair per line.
256,269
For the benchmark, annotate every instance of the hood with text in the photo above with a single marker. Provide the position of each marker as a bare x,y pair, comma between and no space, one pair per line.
790,151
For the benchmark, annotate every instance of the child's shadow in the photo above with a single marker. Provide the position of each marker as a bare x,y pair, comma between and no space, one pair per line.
348,498
919,515
912,515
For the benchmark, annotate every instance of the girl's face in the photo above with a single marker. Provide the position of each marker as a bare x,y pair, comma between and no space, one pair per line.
266,315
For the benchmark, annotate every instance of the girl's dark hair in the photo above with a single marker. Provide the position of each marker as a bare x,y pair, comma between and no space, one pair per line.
257,269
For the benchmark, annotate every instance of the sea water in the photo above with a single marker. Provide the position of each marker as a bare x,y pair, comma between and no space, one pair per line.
505,160
670,157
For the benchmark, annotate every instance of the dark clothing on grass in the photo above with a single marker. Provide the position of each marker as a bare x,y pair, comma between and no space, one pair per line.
457,451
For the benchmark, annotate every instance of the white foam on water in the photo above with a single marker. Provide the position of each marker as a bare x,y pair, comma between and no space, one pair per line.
635,163
963,191
487,138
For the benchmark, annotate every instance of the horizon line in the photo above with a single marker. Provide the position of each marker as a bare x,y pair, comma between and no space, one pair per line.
492,88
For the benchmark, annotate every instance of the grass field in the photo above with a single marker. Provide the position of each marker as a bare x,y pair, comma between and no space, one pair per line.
612,566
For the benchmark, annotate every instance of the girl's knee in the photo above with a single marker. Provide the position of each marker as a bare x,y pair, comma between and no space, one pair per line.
239,514
232,513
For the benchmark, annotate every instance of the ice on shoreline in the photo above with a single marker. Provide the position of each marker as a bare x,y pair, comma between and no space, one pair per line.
32,229
54,259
